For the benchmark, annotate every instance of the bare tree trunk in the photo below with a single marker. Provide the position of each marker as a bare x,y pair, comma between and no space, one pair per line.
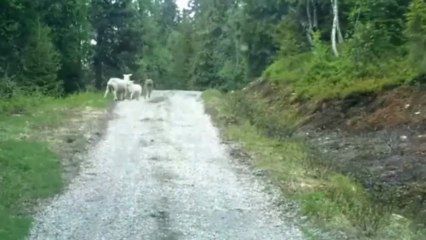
336,35
309,27
339,32
333,39
314,3
308,13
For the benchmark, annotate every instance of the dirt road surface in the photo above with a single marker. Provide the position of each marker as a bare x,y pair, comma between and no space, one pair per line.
161,172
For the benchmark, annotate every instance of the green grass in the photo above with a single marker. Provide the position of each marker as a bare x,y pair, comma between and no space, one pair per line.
331,200
29,170
25,115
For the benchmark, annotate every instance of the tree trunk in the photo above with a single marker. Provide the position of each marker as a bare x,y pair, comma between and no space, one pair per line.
336,35
309,27
339,32
314,3
333,39
308,13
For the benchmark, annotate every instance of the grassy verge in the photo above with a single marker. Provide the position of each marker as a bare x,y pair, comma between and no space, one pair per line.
29,170
332,200
319,76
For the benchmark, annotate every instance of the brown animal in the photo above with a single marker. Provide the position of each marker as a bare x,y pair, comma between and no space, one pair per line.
148,87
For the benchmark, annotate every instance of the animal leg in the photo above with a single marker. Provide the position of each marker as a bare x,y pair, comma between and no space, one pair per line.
106,91
115,95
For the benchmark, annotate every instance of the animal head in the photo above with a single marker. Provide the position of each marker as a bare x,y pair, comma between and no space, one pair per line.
130,83
127,76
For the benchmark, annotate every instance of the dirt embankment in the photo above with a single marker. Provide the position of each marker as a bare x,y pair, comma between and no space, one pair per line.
379,139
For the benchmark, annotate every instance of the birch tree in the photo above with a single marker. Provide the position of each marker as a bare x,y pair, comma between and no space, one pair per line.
336,34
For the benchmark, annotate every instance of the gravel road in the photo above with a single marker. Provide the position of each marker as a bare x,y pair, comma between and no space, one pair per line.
161,172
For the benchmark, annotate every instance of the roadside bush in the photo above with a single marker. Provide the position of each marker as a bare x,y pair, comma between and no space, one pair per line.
20,102
416,32
7,88
319,75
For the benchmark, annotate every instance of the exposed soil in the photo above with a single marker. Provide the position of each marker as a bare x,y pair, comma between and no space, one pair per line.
403,107
379,139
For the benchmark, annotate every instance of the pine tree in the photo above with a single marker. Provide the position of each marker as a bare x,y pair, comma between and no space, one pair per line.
70,32
41,62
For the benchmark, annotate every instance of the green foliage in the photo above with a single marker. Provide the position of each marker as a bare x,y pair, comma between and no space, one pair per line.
56,32
70,31
179,43
319,75
384,20
118,27
289,37
416,32
20,103
258,27
218,48
41,63
8,88
234,44
216,43
372,58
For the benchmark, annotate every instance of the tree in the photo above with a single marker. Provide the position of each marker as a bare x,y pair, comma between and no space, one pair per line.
217,43
215,50
70,31
41,62
258,27
416,33
336,34
181,50
118,34
17,20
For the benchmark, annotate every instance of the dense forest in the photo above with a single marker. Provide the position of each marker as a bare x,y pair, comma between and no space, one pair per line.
60,47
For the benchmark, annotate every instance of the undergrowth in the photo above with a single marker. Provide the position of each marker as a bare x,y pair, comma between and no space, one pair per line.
332,200
319,75
29,170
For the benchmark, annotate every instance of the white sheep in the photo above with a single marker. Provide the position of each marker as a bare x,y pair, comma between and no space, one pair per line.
118,86
134,89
